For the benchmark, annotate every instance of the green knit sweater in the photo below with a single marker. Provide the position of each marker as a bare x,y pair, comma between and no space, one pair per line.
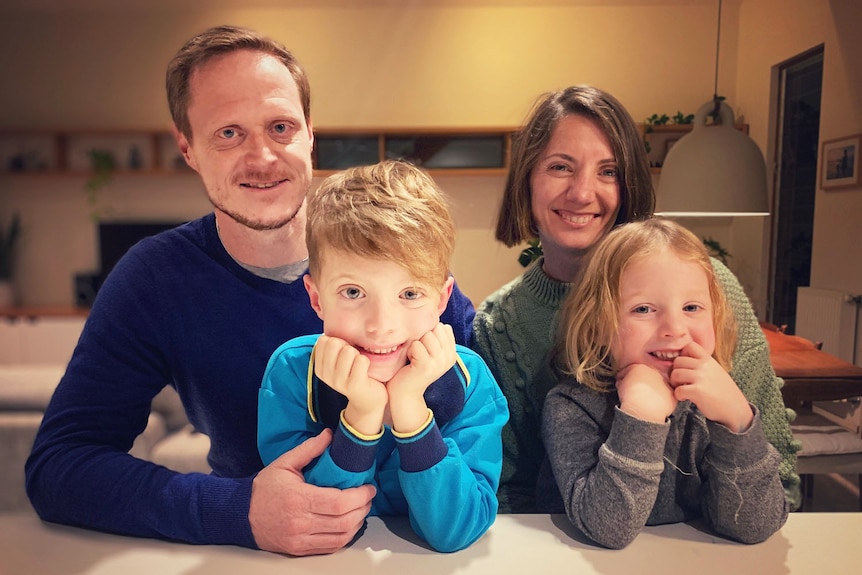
513,331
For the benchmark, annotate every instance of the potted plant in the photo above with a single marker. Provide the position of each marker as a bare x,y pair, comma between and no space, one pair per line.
8,238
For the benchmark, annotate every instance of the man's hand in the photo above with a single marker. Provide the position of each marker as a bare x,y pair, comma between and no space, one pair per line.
429,357
644,393
698,378
290,516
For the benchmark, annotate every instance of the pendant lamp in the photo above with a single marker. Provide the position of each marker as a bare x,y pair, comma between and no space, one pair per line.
714,170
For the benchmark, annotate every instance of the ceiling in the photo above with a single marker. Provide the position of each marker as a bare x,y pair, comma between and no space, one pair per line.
143,5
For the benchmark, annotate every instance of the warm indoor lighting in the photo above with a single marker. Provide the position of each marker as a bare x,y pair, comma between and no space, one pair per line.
713,170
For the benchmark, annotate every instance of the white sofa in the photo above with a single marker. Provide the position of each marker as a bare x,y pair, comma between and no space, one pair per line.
25,390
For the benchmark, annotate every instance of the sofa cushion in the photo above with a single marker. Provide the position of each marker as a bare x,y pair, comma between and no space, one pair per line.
185,451
28,387
17,432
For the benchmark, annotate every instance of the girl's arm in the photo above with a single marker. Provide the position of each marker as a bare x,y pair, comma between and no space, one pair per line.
752,371
743,495
606,463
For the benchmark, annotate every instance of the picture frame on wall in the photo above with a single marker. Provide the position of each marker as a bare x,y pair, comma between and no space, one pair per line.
840,163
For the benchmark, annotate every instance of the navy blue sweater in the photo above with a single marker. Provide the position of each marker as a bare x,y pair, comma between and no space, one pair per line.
176,310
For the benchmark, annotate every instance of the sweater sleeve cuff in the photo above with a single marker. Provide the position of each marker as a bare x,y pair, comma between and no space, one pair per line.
225,506
636,439
351,450
422,450
725,443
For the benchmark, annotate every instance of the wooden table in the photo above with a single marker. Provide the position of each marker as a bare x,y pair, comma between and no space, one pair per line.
810,374
515,544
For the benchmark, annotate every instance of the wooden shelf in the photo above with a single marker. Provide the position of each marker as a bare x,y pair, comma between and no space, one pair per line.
32,312
442,151
71,152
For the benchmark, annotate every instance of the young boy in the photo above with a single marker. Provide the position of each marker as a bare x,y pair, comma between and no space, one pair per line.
412,413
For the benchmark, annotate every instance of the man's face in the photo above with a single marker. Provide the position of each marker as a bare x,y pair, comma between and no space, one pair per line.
250,142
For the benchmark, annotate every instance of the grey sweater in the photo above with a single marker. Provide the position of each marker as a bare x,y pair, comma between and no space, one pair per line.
617,473
513,331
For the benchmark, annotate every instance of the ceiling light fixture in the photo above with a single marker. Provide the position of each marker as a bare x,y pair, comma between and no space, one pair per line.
714,170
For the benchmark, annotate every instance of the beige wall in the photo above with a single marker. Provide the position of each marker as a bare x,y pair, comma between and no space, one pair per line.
771,32
429,63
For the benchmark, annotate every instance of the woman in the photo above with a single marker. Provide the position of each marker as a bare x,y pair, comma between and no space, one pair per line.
579,168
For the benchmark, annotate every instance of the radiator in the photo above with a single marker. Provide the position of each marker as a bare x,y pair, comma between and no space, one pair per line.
829,317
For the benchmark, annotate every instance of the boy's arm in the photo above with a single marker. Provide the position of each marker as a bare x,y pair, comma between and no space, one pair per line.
285,421
450,475
744,498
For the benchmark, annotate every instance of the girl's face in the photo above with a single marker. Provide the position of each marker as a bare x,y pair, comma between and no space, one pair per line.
375,306
665,304
575,188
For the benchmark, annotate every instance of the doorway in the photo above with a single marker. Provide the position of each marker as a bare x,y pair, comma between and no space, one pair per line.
800,86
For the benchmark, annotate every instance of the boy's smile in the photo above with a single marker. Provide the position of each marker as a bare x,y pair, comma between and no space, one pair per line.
375,306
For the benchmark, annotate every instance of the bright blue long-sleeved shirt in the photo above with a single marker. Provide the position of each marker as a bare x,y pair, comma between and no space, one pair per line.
176,310
445,476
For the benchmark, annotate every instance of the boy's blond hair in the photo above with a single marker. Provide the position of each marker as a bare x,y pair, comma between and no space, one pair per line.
390,211
589,318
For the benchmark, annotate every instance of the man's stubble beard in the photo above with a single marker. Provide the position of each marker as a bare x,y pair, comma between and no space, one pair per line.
258,225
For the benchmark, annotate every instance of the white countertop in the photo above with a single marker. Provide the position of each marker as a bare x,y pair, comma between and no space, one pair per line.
809,543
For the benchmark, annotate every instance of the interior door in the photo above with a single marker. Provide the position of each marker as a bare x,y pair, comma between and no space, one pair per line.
793,221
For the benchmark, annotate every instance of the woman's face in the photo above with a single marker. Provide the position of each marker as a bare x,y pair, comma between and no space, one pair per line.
575,189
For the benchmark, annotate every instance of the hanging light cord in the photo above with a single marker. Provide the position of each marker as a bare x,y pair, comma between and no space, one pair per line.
717,103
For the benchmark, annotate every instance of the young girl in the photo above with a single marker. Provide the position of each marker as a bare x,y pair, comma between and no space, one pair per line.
647,427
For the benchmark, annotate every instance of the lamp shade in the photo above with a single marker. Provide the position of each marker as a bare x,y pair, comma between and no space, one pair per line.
713,171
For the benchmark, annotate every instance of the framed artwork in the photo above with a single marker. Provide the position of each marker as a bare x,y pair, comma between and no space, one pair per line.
840,167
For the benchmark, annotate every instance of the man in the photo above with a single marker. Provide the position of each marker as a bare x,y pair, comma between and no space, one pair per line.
202,308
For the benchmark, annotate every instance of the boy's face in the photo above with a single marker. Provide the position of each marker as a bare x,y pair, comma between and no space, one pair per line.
665,305
375,306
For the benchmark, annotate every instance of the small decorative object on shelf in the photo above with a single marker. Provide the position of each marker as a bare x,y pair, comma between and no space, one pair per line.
103,164
8,239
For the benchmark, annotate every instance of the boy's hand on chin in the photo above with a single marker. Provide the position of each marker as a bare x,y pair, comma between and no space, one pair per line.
344,369
428,359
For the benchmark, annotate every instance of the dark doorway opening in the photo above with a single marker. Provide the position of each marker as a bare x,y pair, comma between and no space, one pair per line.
800,86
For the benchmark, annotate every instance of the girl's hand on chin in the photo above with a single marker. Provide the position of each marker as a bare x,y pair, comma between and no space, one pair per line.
645,393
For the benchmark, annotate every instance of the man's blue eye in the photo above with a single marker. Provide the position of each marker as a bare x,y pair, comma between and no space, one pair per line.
228,133
281,128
